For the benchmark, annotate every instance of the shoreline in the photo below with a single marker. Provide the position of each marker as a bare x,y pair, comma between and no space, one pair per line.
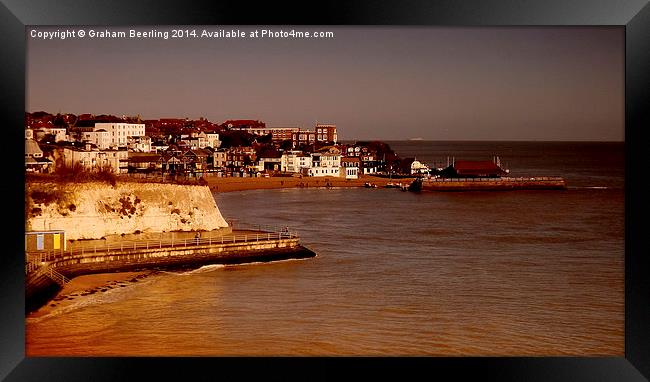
230,184
85,285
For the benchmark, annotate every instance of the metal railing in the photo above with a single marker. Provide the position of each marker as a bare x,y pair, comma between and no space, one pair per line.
56,276
36,269
500,179
35,260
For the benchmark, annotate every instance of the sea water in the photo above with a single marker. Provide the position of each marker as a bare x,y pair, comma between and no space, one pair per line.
397,273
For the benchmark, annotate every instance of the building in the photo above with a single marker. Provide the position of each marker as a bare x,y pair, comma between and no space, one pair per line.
240,156
159,147
369,163
53,240
93,159
196,161
99,137
140,144
325,162
278,134
219,159
143,162
119,132
474,169
302,138
59,133
212,140
34,159
419,168
326,133
294,161
240,124
356,150
270,164
350,167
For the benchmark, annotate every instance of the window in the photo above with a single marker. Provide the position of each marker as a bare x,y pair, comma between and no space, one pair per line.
40,242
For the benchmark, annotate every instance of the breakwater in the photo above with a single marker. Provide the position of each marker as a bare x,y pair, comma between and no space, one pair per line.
46,272
489,184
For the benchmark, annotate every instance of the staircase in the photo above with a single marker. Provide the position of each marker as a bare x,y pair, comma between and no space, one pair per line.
35,270
56,276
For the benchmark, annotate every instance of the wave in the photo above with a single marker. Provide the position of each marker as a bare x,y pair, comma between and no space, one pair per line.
203,269
212,267
267,262
107,296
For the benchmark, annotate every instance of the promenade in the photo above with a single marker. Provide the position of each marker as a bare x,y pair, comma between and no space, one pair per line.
48,271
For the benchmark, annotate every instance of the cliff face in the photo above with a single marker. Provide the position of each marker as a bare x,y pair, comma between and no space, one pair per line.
95,210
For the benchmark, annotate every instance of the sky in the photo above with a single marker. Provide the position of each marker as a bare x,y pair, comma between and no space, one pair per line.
386,83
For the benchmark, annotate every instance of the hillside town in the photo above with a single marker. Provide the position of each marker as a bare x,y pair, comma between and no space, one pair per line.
200,148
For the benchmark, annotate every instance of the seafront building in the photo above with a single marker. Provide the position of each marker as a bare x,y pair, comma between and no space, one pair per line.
176,146
418,168
119,132
350,165
326,133
92,158
326,162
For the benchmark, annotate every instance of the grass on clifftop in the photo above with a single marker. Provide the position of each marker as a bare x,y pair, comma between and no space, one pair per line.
75,174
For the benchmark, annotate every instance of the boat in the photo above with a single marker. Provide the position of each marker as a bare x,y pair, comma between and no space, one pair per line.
416,185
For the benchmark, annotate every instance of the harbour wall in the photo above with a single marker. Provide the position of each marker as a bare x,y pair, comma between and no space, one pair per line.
497,184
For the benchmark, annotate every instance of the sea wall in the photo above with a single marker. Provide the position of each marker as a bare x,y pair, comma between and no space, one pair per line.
499,184
40,287
94,210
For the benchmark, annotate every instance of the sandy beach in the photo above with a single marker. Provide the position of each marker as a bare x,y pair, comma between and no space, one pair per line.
242,184
87,285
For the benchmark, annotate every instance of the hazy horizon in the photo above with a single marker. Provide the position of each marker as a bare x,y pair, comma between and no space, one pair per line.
374,83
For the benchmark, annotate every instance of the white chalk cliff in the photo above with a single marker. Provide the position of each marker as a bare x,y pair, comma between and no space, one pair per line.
95,210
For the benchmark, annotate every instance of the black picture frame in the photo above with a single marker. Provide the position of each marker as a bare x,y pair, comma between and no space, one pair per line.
634,15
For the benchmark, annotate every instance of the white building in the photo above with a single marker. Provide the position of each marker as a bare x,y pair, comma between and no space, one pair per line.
119,132
93,158
140,144
212,140
418,167
294,161
351,172
99,137
326,162
350,167
60,133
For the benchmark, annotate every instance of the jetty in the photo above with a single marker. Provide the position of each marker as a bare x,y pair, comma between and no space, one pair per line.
488,184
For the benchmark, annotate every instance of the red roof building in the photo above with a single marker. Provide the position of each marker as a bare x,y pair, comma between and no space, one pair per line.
472,169
243,124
